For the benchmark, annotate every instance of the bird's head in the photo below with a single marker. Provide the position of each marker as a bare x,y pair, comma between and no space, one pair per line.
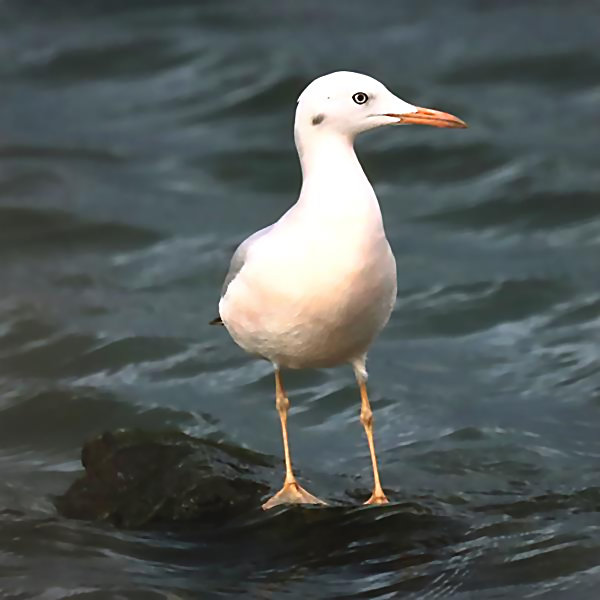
348,103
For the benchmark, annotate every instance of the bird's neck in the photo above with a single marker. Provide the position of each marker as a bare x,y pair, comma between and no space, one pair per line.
332,177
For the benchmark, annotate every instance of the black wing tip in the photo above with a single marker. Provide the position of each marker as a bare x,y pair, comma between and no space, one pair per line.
216,321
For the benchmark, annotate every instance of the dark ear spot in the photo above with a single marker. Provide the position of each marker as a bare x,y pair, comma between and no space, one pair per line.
318,119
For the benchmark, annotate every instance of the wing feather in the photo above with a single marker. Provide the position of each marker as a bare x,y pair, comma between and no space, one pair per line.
239,257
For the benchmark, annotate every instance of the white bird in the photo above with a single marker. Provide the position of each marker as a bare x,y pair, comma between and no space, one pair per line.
315,288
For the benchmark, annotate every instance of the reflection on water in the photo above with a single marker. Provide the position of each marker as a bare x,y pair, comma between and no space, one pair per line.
141,141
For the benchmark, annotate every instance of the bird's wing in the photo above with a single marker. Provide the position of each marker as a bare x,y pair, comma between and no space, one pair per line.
237,262
239,257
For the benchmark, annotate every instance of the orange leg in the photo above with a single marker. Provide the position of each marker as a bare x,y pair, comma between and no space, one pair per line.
366,418
291,492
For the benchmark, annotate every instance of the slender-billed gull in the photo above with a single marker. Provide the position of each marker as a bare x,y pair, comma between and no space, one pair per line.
315,288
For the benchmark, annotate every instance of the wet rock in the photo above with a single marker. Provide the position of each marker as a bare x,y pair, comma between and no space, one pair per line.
135,478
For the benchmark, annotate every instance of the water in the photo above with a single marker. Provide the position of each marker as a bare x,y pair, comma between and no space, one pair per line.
141,141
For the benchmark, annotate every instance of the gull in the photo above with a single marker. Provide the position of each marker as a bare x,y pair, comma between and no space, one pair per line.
315,288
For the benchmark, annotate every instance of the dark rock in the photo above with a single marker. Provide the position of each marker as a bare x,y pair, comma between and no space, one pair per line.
136,478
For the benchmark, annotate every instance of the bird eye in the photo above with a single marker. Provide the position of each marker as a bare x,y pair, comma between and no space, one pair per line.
360,98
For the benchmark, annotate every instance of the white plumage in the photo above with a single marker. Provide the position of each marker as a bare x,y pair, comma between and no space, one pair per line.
315,288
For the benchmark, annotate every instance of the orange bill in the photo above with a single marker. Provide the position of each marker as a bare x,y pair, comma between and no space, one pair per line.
429,116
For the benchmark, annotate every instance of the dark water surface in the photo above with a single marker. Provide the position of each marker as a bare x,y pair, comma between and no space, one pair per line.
141,141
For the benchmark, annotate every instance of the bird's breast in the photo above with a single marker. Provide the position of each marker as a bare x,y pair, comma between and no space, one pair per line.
315,300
